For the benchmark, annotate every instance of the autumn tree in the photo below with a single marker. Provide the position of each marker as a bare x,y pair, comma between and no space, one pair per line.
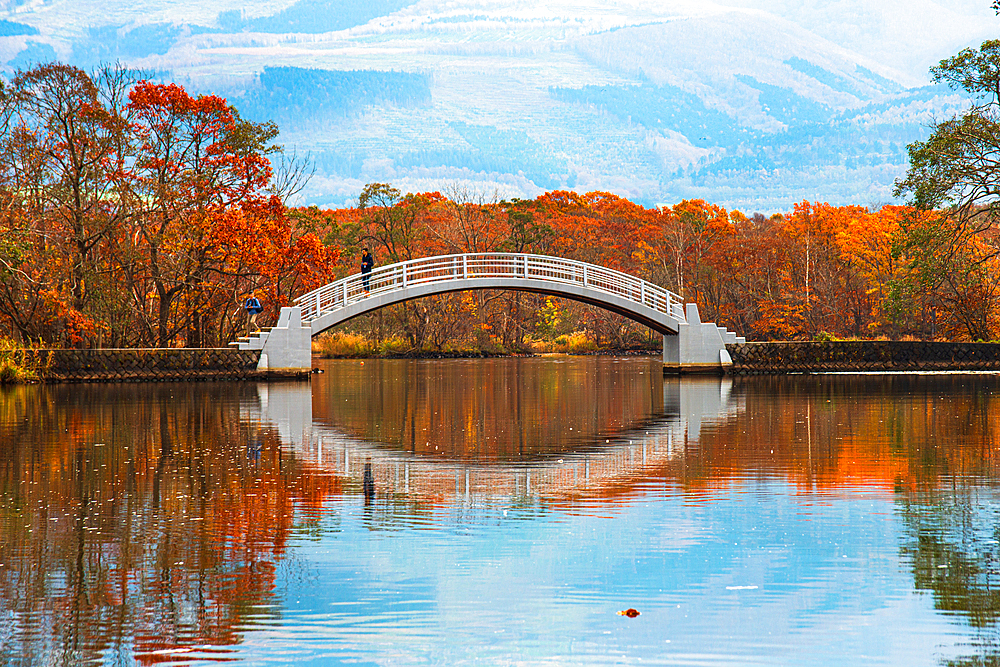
134,212
72,137
62,139
393,222
957,171
196,160
395,225
959,164
470,221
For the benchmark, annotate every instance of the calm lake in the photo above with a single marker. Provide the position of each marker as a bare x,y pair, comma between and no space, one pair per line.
501,512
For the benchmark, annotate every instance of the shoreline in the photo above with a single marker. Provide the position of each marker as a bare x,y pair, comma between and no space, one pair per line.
613,352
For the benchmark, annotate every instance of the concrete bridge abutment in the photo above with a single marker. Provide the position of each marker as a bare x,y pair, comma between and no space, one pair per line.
697,347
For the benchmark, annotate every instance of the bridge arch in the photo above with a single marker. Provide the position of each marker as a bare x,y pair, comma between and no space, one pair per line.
688,344
632,297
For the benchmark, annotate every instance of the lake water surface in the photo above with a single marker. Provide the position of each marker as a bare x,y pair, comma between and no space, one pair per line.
481,512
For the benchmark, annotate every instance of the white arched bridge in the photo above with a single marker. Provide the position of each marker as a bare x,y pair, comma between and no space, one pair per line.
688,344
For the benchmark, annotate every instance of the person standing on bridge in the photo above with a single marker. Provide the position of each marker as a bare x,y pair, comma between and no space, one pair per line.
367,264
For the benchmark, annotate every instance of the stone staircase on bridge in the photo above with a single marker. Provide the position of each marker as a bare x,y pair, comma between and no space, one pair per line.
254,341
286,345
730,337
698,347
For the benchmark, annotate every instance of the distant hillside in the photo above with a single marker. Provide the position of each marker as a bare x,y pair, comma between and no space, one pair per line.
110,43
754,104
491,150
292,95
661,108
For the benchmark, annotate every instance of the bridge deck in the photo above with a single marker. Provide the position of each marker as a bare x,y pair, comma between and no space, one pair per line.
355,295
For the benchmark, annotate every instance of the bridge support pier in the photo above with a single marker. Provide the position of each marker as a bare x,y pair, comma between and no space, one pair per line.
698,347
288,345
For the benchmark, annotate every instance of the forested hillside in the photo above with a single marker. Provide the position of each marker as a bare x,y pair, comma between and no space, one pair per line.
296,95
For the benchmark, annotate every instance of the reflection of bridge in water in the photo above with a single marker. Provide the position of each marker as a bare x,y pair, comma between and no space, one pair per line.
688,406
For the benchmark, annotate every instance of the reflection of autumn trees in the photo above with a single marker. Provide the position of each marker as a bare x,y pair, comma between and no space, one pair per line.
891,432
953,546
932,441
832,434
138,519
895,432
490,410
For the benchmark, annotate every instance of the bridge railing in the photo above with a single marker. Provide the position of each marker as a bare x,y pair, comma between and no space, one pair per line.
443,268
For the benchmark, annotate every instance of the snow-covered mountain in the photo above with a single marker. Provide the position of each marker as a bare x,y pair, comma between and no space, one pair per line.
754,104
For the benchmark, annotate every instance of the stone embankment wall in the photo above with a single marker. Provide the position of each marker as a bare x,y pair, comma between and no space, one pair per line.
860,356
151,365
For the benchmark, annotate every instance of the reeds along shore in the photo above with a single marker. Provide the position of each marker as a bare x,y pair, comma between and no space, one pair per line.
340,345
20,365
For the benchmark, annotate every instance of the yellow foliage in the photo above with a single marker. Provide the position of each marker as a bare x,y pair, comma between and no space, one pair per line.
17,363
339,345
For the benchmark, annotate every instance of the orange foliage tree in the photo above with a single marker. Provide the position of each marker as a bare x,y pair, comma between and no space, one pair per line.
844,271
136,214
